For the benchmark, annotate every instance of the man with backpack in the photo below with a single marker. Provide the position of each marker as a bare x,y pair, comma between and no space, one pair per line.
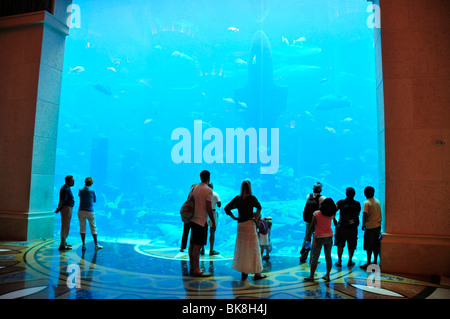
312,204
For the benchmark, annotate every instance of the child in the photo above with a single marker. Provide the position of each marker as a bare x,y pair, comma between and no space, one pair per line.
264,229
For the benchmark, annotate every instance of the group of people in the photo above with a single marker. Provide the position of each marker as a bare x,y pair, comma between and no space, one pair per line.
253,231
85,211
320,212
251,241
248,252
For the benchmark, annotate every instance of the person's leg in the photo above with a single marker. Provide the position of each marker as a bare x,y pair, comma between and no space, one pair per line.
212,239
351,252
315,253
377,243
66,216
340,250
197,241
83,237
91,218
82,220
184,238
304,252
328,244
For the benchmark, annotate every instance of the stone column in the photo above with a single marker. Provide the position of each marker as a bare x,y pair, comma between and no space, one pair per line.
31,63
414,134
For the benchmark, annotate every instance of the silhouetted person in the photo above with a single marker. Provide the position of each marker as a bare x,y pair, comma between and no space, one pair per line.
323,236
247,255
186,227
312,204
65,206
202,196
86,212
371,226
347,227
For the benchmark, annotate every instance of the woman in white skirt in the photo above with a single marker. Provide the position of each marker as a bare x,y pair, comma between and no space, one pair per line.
247,254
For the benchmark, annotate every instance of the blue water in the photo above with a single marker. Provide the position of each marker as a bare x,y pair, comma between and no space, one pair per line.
135,72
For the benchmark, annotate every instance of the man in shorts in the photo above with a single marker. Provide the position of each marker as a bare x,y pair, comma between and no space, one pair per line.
202,196
347,227
371,226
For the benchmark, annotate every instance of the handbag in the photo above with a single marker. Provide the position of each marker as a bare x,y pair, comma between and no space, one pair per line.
187,210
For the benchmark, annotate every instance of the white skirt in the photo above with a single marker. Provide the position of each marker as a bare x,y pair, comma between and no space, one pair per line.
247,253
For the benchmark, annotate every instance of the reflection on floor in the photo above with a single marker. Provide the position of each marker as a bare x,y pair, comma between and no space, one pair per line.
133,271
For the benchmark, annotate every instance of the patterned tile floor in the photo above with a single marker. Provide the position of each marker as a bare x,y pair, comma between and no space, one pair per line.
37,270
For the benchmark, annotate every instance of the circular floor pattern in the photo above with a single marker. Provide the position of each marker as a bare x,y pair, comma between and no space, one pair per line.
39,270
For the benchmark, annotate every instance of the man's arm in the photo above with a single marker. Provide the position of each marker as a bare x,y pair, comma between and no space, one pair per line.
210,213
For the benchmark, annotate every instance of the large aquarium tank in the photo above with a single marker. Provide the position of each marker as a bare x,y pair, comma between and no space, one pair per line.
281,93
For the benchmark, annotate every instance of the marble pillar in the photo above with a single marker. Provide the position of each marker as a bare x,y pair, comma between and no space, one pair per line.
413,64
31,60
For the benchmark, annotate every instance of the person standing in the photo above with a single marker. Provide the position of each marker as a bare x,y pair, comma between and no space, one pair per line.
312,204
215,202
186,226
65,206
323,236
247,255
86,211
371,225
202,196
347,227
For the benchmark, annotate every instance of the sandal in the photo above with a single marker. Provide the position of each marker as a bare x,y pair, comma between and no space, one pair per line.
201,274
258,277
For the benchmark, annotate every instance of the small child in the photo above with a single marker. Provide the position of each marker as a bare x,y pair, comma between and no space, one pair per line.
264,229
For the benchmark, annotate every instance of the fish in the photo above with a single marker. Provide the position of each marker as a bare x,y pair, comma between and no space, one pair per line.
102,88
114,204
242,105
299,40
240,62
228,100
331,101
284,40
111,69
182,55
330,129
233,29
261,94
76,70
148,121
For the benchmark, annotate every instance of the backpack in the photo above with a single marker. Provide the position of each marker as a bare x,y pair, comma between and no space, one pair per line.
262,226
188,208
312,204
